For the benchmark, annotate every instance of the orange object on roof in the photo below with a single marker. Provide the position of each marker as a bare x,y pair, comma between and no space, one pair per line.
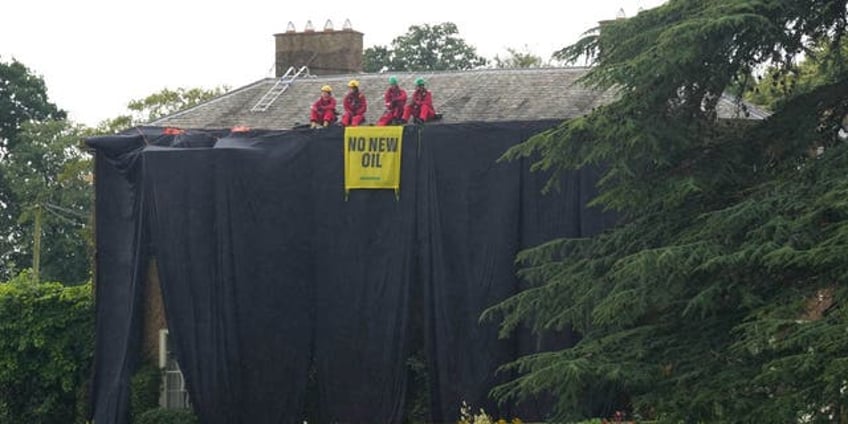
172,131
239,128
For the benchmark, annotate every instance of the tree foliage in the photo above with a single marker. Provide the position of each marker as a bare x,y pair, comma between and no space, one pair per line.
23,99
45,351
720,295
518,59
167,101
424,48
52,177
158,105
43,173
374,59
780,83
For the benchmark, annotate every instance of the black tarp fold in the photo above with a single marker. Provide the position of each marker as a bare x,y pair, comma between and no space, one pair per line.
120,265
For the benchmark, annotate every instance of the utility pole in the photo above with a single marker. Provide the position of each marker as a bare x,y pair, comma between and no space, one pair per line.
36,245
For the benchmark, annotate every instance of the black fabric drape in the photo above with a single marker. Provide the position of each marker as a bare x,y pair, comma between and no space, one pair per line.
198,299
364,248
266,267
471,228
120,263
231,226
265,226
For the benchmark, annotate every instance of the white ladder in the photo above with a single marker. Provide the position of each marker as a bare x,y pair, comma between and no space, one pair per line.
279,88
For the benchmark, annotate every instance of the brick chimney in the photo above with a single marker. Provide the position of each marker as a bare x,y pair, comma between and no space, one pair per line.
325,52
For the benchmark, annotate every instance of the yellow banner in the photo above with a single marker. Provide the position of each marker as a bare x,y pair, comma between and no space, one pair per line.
372,157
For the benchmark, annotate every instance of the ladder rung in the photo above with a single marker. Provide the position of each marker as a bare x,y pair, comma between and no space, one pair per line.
278,89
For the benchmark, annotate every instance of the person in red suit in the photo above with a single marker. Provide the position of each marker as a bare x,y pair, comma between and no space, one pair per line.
354,105
324,109
420,107
395,100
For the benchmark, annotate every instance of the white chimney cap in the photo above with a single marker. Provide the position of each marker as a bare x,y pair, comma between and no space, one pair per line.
347,25
328,26
309,27
290,27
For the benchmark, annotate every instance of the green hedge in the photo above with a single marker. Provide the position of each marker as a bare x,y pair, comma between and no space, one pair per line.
46,345
166,416
145,387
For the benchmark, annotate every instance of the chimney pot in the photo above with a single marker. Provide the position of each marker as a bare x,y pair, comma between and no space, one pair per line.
347,25
290,27
328,26
620,14
309,27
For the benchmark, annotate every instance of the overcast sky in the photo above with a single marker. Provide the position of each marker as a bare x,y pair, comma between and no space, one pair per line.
97,55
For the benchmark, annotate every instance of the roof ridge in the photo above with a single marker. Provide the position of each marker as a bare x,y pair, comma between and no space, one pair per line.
458,71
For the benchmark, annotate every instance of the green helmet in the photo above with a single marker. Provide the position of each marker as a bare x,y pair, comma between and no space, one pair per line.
420,81
393,80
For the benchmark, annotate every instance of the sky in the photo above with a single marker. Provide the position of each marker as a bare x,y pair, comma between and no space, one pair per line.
97,55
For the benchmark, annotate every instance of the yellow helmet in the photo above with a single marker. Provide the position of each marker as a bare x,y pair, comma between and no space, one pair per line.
327,88
353,83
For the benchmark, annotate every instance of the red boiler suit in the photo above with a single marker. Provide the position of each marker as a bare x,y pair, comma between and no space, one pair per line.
421,106
395,100
324,110
355,107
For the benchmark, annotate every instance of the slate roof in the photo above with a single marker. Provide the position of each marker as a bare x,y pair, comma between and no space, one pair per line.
485,95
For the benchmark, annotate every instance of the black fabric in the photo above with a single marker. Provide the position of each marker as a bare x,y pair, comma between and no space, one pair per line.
120,264
198,299
231,235
265,226
268,269
472,226
364,246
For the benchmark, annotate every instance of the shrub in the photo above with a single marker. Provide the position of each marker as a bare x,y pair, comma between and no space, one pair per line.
45,350
144,389
467,416
167,416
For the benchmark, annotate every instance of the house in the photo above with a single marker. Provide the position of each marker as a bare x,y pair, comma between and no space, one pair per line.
487,227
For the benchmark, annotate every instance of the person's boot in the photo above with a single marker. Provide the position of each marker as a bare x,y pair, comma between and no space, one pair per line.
313,124
326,124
